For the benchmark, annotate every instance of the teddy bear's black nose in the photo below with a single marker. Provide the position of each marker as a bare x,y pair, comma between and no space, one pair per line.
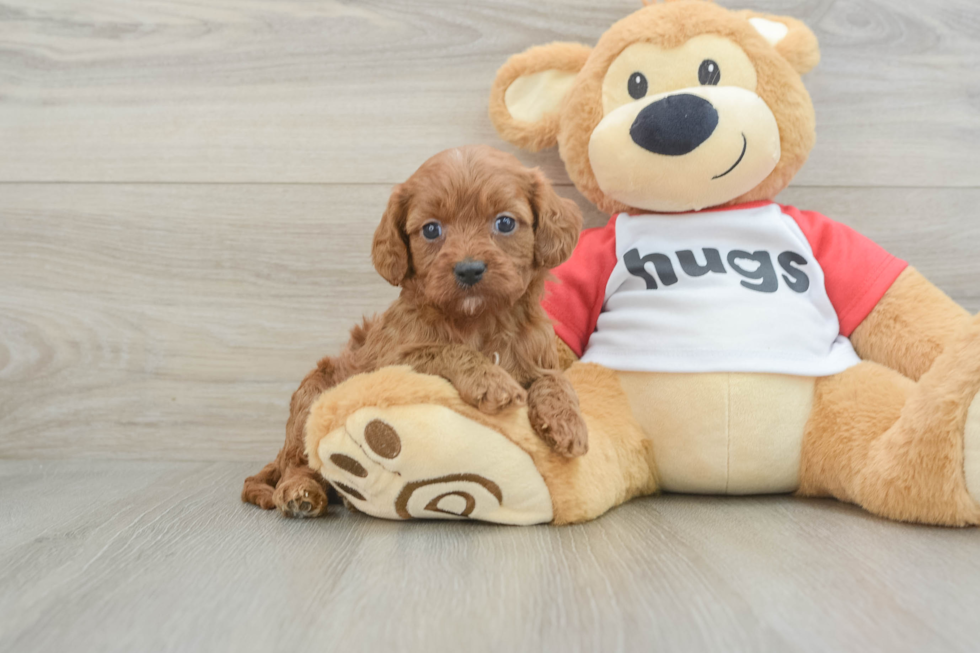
675,125
468,271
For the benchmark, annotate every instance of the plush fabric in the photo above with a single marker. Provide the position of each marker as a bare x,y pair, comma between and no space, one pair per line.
668,25
398,444
453,461
909,326
893,446
559,57
971,449
723,433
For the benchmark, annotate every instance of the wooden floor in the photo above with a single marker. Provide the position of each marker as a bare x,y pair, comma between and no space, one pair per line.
160,556
187,195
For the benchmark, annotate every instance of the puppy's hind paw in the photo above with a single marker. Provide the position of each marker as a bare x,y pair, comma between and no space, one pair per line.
300,498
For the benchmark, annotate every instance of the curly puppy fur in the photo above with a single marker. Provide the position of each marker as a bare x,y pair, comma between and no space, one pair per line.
491,340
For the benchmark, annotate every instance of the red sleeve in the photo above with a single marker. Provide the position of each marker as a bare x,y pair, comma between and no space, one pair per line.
857,272
574,298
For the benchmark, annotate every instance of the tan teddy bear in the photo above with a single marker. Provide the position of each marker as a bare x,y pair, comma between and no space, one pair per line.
728,344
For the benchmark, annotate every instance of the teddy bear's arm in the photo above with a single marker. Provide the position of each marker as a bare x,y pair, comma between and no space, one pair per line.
909,326
565,354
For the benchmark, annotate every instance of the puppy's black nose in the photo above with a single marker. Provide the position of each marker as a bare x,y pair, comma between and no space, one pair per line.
468,271
675,125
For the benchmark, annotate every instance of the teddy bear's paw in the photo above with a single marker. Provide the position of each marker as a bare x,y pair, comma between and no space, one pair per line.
491,390
300,497
427,461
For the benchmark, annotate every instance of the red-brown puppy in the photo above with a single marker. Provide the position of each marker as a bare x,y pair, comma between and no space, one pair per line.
470,238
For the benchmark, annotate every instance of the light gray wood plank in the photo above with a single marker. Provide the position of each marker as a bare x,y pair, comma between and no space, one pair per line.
122,307
293,91
937,232
180,565
789,558
36,498
174,321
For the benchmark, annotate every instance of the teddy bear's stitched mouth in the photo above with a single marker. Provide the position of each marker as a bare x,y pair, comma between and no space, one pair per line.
745,146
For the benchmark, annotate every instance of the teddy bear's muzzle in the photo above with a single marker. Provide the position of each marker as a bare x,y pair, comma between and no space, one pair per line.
685,150
675,125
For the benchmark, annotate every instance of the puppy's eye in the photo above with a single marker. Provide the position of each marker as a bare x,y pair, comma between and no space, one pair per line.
431,230
637,86
709,74
505,224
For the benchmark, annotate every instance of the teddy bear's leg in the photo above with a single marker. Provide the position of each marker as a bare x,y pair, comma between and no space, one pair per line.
620,462
902,450
398,444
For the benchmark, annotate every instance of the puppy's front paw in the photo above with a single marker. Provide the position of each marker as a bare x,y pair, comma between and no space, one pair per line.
492,390
564,430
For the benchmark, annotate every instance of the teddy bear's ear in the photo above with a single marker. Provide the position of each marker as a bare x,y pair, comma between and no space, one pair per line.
791,38
529,90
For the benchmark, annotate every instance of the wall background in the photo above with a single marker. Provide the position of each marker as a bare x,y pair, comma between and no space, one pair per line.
187,195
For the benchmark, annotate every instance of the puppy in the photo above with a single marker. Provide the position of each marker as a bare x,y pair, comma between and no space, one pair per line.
469,237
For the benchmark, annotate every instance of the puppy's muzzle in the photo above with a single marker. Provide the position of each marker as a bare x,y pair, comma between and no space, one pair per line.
675,125
468,272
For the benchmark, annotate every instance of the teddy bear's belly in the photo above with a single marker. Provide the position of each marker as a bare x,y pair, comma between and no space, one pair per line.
723,433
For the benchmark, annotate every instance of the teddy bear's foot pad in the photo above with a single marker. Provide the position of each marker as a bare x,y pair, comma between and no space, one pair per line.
427,461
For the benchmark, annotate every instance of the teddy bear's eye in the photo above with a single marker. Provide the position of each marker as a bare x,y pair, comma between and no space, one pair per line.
709,74
637,86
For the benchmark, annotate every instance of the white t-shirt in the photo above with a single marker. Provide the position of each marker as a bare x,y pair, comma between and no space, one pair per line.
737,290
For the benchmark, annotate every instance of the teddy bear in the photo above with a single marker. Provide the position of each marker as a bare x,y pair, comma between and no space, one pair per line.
719,342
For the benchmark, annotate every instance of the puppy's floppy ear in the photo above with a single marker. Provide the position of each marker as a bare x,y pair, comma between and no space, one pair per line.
389,251
790,37
529,90
557,223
